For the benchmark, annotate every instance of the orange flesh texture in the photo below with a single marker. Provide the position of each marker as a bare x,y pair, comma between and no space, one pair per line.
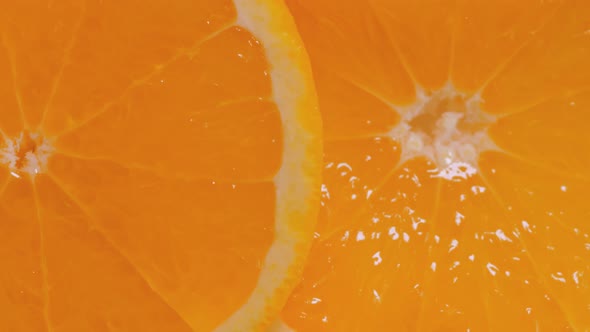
156,207
399,248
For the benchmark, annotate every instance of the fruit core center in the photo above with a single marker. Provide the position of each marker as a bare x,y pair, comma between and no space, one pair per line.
445,126
25,154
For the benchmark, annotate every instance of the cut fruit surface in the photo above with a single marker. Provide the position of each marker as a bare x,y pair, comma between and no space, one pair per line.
158,164
456,166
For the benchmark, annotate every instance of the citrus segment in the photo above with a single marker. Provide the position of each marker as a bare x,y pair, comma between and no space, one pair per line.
359,257
30,32
155,34
11,117
343,108
160,162
488,34
350,170
559,129
479,277
174,262
82,263
549,221
553,62
329,35
22,277
475,219
420,32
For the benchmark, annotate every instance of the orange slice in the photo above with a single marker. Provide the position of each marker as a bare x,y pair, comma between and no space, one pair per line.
158,164
456,166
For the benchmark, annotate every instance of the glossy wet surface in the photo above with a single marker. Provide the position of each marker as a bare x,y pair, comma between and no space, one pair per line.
454,177
136,165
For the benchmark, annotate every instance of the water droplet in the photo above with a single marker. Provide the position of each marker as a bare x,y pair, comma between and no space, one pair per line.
526,226
458,218
406,237
377,258
345,236
501,236
360,236
492,269
558,276
576,277
393,232
454,244
377,296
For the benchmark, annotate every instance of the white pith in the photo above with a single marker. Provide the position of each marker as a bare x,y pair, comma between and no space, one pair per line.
295,180
20,162
454,151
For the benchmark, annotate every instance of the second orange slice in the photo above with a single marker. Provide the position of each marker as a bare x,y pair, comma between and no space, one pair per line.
457,168
159,164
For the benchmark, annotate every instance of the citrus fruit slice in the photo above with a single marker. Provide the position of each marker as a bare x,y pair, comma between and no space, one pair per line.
158,164
456,166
